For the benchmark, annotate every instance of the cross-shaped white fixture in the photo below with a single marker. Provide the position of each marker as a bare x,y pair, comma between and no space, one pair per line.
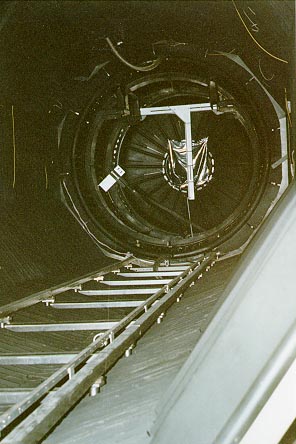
184,113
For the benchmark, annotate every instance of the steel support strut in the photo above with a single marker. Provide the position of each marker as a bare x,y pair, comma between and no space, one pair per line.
184,113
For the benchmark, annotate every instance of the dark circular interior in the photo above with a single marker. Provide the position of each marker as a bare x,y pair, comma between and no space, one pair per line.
147,211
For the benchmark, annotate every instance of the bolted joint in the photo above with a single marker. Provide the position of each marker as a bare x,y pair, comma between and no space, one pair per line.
160,318
129,350
179,297
48,301
95,388
5,321
76,288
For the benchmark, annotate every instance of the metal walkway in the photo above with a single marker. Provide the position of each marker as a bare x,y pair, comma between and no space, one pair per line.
107,313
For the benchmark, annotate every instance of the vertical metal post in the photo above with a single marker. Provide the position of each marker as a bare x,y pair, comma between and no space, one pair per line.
188,138
184,113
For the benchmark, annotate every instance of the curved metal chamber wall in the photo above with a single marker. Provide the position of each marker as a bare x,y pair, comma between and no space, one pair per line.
60,80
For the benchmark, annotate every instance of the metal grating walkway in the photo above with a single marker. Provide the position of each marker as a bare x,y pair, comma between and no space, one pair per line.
124,410
61,343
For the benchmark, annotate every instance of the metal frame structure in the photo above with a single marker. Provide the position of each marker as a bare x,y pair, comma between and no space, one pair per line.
41,296
86,370
184,113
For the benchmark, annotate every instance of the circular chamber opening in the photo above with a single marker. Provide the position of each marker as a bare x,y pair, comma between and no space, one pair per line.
147,211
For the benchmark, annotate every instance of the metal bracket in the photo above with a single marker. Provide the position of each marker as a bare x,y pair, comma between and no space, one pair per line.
219,107
95,388
48,301
5,321
129,350
160,318
71,372
76,288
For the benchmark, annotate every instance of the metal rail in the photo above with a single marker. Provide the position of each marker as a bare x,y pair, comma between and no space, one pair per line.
86,369
28,301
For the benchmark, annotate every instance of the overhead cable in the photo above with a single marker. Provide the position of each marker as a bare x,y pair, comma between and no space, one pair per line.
146,68
253,38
